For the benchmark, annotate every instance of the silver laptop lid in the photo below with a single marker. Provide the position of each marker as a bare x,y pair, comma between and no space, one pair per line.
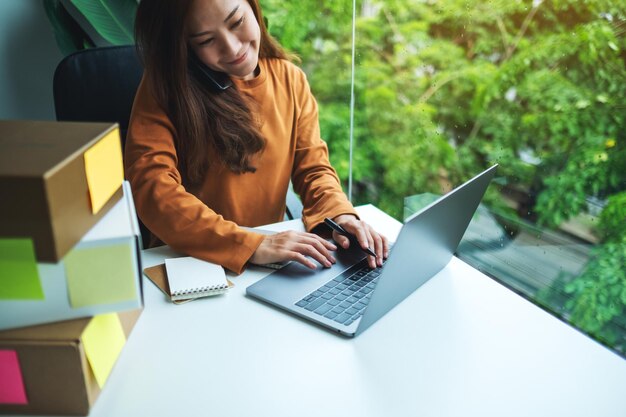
425,245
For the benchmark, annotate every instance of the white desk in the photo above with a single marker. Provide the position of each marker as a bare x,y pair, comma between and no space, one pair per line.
473,348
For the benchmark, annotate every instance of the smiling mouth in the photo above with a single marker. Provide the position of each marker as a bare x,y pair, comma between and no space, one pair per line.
239,60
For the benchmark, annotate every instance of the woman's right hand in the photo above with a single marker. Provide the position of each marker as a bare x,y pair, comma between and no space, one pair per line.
294,246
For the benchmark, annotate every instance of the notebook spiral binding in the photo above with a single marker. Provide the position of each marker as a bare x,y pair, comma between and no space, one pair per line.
197,292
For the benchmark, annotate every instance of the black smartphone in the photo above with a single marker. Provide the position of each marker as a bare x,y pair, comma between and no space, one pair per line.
218,80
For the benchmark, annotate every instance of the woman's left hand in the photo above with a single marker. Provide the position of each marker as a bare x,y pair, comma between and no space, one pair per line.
366,236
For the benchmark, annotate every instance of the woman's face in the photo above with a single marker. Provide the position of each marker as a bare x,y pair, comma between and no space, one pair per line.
225,35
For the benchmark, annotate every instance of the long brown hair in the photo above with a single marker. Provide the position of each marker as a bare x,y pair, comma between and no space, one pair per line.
201,116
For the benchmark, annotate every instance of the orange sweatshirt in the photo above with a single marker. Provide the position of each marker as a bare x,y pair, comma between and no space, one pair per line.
205,224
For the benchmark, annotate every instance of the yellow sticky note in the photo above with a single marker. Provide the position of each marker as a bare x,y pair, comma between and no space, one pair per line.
104,169
100,275
19,277
104,340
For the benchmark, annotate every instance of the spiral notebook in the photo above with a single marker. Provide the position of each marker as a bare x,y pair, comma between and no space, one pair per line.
193,278
158,276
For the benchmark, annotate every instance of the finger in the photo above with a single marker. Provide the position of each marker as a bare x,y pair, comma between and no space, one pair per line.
303,236
327,245
372,261
361,234
292,236
341,240
297,242
312,252
379,247
300,258
321,248
385,246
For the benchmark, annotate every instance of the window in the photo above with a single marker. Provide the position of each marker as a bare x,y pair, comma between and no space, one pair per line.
445,88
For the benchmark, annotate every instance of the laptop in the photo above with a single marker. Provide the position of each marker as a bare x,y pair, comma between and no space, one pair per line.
349,297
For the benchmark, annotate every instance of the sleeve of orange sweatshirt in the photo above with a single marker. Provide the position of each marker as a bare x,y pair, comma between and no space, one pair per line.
313,178
174,215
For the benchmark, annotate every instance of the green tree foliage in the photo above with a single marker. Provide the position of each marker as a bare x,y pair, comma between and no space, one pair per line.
460,84
445,88
598,295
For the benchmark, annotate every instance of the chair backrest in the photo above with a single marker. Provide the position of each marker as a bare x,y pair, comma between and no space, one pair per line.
99,85
294,205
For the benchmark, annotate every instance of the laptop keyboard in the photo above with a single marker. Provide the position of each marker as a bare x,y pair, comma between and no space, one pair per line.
344,298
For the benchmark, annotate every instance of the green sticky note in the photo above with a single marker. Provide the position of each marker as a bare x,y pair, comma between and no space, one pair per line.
19,278
103,339
100,275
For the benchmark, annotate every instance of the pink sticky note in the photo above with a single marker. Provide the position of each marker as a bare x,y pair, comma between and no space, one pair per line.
11,382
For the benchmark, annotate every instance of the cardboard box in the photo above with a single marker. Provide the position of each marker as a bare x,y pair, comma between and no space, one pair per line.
55,365
101,274
57,179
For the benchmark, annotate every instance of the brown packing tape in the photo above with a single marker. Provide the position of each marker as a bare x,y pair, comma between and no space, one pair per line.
56,373
158,275
42,175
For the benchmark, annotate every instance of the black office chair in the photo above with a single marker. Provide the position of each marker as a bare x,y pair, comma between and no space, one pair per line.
294,205
99,85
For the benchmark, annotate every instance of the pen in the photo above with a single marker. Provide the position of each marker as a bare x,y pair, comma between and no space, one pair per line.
350,236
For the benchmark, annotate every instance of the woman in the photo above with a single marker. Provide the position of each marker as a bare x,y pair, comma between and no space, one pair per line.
221,122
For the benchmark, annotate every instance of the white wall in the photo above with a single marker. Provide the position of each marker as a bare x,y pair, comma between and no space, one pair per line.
28,57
